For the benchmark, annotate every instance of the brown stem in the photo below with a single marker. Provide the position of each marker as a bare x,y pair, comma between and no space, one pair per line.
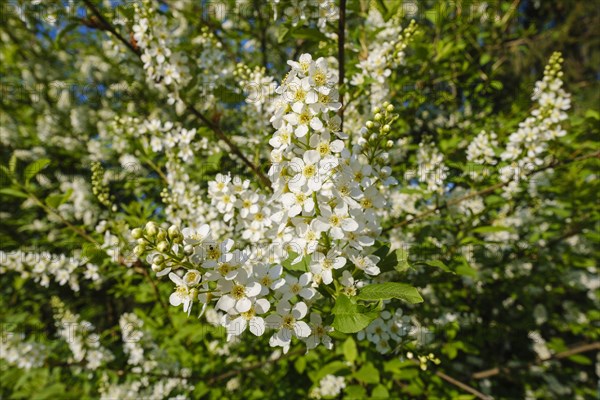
567,353
215,128
463,386
490,189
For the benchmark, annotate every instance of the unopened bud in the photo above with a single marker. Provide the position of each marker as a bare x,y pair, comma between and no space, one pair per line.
369,124
173,231
139,250
378,117
389,108
151,229
162,247
386,128
137,233
162,234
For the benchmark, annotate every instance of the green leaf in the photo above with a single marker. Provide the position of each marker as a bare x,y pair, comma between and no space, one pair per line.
496,85
485,58
12,163
55,200
438,264
580,359
300,364
350,351
329,369
282,34
355,392
367,374
380,392
302,265
35,168
466,270
389,290
13,192
593,114
492,229
350,317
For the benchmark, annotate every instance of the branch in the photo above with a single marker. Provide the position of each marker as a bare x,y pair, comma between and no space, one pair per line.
463,386
491,189
215,128
564,354
107,26
251,367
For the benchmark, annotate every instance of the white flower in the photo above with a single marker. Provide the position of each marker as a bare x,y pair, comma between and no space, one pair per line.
269,277
336,222
324,264
287,323
183,294
296,202
305,171
237,324
238,293
297,287
318,333
195,236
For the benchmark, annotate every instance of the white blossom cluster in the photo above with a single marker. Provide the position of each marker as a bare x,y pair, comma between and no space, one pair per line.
301,12
144,357
387,330
45,267
481,149
84,345
259,89
383,55
17,351
324,213
152,36
526,147
431,168
330,386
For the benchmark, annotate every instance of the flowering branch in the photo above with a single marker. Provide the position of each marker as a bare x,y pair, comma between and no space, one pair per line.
490,189
215,128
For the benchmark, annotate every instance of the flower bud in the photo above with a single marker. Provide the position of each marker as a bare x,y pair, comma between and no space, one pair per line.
376,110
374,136
158,259
389,144
386,103
151,229
162,234
389,108
137,233
188,249
163,247
369,124
173,232
157,268
378,117
386,128
139,250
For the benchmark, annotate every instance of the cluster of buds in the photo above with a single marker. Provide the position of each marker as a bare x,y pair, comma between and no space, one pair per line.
100,188
165,247
376,135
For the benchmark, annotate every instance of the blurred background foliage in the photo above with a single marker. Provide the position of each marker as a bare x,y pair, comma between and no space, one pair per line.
467,70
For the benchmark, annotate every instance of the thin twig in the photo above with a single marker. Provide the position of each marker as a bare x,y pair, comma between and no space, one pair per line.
463,386
215,128
567,353
490,189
